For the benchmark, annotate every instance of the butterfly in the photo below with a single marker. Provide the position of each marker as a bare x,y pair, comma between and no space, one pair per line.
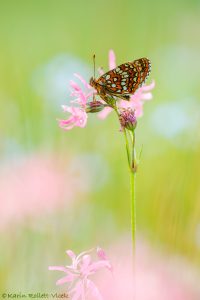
124,80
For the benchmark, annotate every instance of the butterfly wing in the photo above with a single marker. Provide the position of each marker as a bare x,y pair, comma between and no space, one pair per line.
126,78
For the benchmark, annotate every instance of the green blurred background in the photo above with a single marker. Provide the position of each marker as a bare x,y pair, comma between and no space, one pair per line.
42,43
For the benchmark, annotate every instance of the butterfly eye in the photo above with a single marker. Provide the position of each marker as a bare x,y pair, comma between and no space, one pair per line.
92,82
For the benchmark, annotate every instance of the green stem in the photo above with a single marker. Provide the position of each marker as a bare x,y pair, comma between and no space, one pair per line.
131,156
132,184
133,209
127,150
132,163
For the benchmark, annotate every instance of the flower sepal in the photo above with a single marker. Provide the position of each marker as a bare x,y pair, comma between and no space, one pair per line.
94,107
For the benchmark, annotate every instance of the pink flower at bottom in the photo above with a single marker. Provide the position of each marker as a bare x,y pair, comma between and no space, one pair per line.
157,277
77,274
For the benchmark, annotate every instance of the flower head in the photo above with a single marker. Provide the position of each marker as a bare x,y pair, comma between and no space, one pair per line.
78,118
78,273
127,119
158,276
78,113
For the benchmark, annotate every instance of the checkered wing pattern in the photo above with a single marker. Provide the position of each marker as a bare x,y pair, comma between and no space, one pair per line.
126,78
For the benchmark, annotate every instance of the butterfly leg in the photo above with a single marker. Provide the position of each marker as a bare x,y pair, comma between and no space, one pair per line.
124,97
93,98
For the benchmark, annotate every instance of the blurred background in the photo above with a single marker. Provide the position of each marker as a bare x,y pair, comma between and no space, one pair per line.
70,190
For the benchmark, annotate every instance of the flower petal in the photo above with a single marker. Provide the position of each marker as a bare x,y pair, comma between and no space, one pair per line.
58,268
75,86
78,118
94,267
79,257
85,264
104,113
101,253
68,278
112,63
78,291
94,290
149,87
101,71
82,80
81,98
65,108
146,96
71,254
62,124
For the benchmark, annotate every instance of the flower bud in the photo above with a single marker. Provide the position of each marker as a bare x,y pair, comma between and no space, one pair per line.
128,119
94,106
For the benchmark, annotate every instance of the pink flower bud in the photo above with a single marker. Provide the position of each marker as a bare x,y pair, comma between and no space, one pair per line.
128,119
94,106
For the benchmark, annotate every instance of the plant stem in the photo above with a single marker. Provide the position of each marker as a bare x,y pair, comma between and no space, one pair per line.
132,186
131,156
133,208
127,150
129,136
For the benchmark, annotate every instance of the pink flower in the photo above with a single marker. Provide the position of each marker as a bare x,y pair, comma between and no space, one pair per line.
127,119
157,277
78,114
37,185
112,61
78,118
77,274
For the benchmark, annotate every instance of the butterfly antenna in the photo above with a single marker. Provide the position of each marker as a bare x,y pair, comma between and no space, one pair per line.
94,74
94,64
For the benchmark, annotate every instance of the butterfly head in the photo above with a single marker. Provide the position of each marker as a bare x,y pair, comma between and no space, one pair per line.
95,84
92,82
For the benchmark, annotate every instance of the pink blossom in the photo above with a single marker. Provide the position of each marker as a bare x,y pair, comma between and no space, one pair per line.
78,118
37,185
83,81
112,60
127,119
78,114
158,276
77,274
